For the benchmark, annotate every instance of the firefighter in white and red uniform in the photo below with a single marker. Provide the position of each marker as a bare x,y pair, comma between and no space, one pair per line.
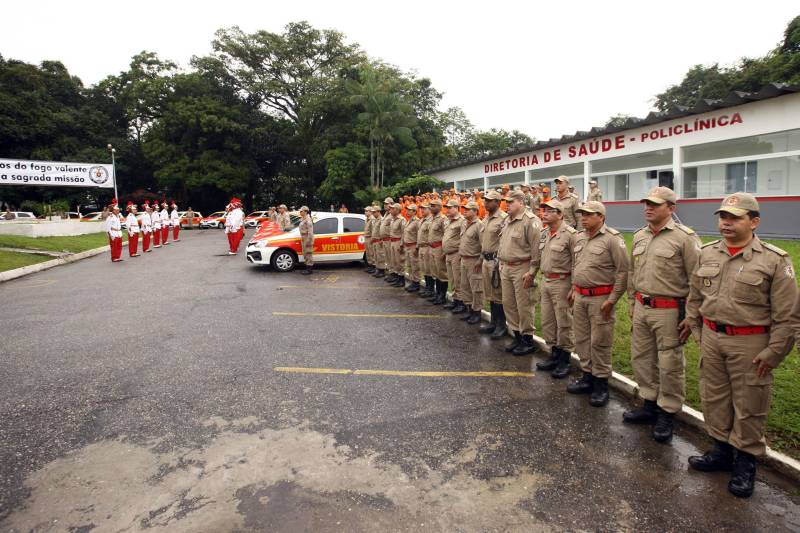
234,225
146,224
114,230
155,217
132,226
164,215
175,221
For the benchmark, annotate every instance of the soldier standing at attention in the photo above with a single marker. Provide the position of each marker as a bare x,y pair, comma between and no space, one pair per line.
424,247
147,227
283,219
490,272
114,231
385,229
557,246
595,195
175,221
410,249
437,259
306,228
663,258
396,230
368,249
469,251
740,313
518,253
132,225
450,243
165,223
377,243
600,276
155,218
569,202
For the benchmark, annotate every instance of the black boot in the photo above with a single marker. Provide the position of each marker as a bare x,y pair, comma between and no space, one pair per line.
400,282
426,290
501,329
581,386
564,368
414,287
459,308
391,278
551,362
379,273
515,343
451,304
489,328
434,290
474,317
599,395
528,345
441,293
743,479
717,459
307,271
646,414
466,316
662,431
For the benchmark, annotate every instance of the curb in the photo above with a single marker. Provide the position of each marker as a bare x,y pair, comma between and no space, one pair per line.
8,275
690,416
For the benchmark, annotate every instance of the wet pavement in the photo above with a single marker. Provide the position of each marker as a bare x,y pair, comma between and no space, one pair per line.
143,396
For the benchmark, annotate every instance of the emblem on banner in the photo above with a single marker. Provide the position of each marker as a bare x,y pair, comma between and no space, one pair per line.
98,175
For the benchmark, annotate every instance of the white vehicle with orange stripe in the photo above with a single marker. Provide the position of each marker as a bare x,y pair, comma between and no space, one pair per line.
338,237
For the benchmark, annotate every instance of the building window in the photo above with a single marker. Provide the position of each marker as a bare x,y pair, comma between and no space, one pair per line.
741,177
657,158
772,143
513,178
614,187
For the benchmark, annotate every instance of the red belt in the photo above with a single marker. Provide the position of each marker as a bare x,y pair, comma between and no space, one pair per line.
385,239
516,263
594,291
735,330
554,275
393,239
376,240
410,244
655,302
437,244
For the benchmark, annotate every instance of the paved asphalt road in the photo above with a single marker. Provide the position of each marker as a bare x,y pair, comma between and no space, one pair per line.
143,395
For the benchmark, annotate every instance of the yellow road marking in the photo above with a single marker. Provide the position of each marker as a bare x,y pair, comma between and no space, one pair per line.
357,315
404,373
351,287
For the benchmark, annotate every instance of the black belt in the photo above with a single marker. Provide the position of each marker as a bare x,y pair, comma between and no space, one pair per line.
489,256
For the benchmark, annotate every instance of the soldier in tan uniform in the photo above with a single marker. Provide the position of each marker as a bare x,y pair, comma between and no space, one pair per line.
410,249
424,247
662,261
437,259
385,229
569,202
283,219
396,230
557,246
469,249
490,241
450,244
518,253
306,228
599,278
369,249
377,243
536,199
740,313
595,194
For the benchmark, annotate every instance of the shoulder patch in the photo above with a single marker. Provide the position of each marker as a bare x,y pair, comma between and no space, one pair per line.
528,214
638,230
570,229
710,243
612,231
685,229
774,248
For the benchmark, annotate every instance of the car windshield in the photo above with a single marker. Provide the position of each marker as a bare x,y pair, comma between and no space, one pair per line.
217,214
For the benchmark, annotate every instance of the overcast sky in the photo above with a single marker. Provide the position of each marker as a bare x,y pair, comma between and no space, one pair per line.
545,68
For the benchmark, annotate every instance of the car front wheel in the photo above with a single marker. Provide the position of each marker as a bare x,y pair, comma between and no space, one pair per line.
283,260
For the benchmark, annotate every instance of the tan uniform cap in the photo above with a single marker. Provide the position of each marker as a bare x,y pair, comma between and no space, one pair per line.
738,204
660,195
396,206
592,207
562,178
472,205
555,204
435,201
411,207
517,195
425,205
453,203
389,200
492,195
304,208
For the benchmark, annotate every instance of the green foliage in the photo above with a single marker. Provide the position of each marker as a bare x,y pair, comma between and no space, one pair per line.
32,206
416,184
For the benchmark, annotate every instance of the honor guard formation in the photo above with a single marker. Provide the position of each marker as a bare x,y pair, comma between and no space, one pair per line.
509,250
151,223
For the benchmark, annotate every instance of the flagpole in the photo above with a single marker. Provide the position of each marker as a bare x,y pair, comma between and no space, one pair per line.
114,169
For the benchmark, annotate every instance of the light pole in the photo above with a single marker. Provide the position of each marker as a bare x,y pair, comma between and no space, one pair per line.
113,169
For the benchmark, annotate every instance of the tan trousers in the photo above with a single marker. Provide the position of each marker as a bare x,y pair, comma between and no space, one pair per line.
594,335
472,283
490,292
412,263
517,301
368,250
438,265
556,316
397,258
380,255
735,399
308,250
657,357
424,251
454,275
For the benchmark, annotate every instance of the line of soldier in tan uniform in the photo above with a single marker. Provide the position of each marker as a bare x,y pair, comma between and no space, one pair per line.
736,296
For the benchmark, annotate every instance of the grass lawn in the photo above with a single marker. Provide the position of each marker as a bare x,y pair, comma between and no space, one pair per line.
12,260
783,425
75,243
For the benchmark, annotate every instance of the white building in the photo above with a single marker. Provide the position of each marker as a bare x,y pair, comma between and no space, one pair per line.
746,142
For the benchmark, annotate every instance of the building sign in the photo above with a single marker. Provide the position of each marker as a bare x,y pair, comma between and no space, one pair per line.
55,174
607,146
